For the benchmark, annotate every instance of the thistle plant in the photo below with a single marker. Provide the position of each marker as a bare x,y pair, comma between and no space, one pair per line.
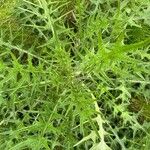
75,75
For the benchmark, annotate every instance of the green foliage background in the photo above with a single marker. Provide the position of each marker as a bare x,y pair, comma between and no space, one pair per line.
74,74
